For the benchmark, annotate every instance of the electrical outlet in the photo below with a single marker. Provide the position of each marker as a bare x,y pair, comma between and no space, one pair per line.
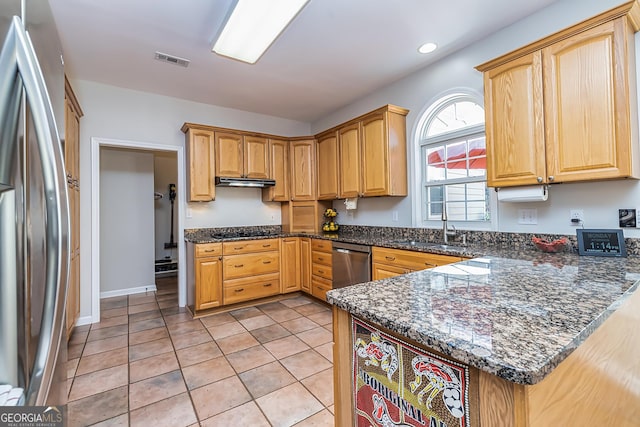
576,217
394,215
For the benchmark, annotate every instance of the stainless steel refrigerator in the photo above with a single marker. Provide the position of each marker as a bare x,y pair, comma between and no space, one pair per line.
34,221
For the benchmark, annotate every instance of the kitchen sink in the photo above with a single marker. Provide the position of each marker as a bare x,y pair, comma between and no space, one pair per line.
426,245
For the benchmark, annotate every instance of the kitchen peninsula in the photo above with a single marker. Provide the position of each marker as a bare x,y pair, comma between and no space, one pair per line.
517,339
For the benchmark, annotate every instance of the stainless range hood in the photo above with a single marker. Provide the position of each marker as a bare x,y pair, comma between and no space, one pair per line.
244,182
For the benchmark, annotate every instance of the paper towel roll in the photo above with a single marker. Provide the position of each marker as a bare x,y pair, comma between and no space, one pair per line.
535,193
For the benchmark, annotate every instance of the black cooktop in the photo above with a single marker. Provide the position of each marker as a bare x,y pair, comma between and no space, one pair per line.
238,234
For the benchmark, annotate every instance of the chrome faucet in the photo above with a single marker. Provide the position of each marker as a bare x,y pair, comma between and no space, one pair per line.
446,231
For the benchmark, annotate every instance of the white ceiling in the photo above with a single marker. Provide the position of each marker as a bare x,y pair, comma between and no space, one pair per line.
333,53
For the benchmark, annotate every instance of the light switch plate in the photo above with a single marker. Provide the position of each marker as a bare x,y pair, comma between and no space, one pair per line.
528,216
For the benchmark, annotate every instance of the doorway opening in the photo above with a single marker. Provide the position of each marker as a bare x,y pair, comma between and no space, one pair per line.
170,152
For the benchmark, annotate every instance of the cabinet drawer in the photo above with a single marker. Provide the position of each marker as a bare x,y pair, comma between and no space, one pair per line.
248,246
320,287
322,271
321,258
208,249
251,288
321,245
411,259
235,266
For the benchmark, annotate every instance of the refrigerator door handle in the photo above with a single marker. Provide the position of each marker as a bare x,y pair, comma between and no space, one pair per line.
18,62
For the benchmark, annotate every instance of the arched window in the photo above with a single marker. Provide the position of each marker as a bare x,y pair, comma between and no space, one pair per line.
453,160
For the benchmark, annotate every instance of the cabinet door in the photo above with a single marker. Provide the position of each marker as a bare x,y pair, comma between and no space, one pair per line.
201,167
514,122
279,149
208,283
305,264
349,149
587,105
303,170
385,271
256,157
328,166
375,160
229,155
290,267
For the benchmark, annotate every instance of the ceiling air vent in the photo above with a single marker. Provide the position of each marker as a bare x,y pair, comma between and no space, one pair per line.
172,59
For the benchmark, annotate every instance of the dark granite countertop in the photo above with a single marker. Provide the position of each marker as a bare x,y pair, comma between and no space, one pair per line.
512,310
516,317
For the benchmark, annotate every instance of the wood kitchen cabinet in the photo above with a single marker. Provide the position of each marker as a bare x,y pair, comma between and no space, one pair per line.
389,262
327,170
305,264
563,109
73,113
250,269
303,217
349,154
373,154
279,157
321,268
302,157
290,265
241,156
206,276
384,152
200,157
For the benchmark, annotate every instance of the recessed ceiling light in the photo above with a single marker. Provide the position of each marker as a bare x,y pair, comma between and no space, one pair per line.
253,26
427,48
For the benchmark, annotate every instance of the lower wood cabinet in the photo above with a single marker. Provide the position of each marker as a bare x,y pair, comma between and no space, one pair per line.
305,264
389,262
207,276
250,270
321,270
290,263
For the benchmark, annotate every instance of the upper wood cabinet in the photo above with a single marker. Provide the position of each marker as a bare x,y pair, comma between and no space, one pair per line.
383,144
372,152
241,156
279,155
200,155
303,169
564,108
349,154
327,166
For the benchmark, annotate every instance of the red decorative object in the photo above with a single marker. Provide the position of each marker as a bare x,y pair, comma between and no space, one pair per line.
546,246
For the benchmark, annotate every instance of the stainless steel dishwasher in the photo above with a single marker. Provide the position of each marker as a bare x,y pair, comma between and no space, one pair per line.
351,264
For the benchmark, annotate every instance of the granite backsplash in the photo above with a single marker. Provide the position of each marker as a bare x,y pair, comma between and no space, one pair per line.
490,238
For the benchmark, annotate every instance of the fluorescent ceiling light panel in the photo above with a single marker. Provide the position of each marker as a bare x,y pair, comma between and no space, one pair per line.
253,26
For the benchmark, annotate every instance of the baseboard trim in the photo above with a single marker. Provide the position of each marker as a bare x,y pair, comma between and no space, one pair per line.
84,320
128,291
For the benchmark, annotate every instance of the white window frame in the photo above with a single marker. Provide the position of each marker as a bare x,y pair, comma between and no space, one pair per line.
429,114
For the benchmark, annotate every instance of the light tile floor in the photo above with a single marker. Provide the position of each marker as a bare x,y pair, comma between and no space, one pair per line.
148,363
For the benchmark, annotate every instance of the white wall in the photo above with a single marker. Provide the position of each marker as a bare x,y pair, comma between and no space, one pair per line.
126,221
416,92
116,113
165,172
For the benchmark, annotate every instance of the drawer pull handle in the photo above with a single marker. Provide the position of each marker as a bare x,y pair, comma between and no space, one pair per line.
238,248
321,271
266,285
209,250
266,262
429,264
267,245
239,265
320,259
390,258
239,290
